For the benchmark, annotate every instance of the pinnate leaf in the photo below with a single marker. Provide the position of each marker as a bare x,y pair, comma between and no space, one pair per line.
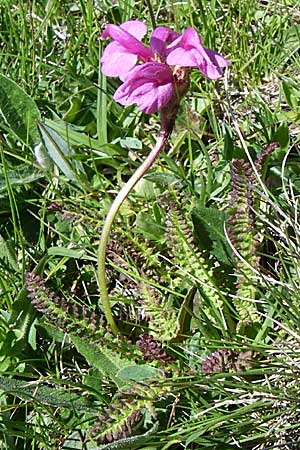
19,111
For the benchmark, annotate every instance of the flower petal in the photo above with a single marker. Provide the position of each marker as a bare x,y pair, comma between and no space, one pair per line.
191,39
180,57
160,37
209,70
216,58
127,40
136,28
150,86
116,60
191,53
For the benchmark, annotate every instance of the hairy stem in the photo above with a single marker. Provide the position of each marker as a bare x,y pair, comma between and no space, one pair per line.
122,195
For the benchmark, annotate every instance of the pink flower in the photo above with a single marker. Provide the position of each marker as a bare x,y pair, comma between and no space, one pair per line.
189,52
149,85
121,55
157,76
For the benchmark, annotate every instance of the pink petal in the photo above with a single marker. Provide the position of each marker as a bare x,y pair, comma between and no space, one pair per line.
210,71
207,65
180,57
190,39
216,58
136,28
160,37
127,40
116,60
184,54
150,86
191,53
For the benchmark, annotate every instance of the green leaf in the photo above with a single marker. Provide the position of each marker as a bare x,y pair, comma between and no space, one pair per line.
52,396
23,314
130,443
8,254
291,38
209,228
78,138
185,313
131,143
228,144
139,373
102,360
282,136
200,104
19,111
18,177
161,178
93,380
290,95
60,152
68,252
20,324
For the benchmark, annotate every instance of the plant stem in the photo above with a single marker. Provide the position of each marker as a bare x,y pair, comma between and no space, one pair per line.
122,195
152,17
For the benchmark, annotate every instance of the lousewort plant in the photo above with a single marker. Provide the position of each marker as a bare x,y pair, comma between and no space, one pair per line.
155,79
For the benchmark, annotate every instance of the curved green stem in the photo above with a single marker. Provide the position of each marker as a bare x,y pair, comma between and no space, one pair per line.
122,195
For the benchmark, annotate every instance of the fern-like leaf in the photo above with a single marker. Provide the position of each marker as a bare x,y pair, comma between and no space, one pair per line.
162,315
243,236
193,261
123,417
86,329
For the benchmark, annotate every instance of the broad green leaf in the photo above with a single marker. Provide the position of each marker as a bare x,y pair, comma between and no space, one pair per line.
290,116
209,228
78,138
290,95
46,395
68,252
131,143
161,178
282,136
60,152
101,360
139,373
19,111
147,189
291,38
148,226
19,176
93,379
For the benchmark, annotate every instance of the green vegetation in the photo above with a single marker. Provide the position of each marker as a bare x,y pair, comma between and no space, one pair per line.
203,259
